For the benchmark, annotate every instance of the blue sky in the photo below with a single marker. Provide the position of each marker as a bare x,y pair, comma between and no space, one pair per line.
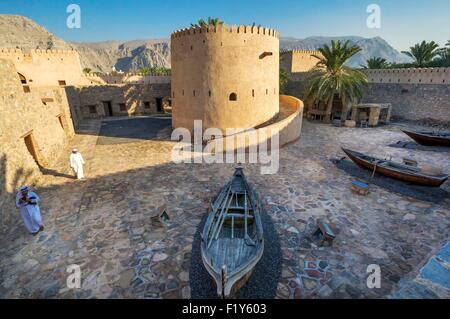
403,22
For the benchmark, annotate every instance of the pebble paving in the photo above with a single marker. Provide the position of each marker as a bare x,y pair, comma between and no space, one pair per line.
104,224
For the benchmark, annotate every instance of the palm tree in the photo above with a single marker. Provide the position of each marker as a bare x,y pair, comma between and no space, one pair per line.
332,77
377,63
423,53
214,21
211,21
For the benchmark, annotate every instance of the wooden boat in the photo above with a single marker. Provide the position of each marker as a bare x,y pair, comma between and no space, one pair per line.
398,171
430,138
232,239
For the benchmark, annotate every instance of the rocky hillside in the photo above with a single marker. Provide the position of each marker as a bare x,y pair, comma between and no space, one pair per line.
21,32
371,47
128,56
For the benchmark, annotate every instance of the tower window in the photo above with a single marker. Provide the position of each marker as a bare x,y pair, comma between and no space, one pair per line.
209,92
193,92
253,93
233,97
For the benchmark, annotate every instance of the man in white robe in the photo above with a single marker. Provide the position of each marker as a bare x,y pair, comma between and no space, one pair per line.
77,162
28,203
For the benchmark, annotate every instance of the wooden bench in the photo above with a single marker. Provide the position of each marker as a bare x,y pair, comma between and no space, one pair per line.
324,232
360,188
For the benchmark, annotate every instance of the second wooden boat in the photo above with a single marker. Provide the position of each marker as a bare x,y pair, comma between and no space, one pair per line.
430,138
232,238
398,171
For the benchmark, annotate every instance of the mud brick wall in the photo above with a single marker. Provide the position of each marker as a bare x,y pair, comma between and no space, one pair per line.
414,102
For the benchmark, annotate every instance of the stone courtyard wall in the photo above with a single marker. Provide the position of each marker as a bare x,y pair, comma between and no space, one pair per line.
83,99
46,67
21,113
413,102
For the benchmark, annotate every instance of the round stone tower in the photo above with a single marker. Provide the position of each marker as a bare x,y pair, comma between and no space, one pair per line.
228,77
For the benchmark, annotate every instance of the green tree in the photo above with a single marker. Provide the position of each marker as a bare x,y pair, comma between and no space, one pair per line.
154,71
377,63
423,52
87,70
332,77
283,81
211,21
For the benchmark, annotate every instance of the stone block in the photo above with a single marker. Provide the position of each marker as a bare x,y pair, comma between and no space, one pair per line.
350,123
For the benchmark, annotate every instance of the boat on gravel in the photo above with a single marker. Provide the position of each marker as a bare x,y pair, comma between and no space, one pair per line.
406,173
429,138
232,238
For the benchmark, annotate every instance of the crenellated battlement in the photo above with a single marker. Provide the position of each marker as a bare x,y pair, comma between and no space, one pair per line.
298,51
223,28
410,75
41,52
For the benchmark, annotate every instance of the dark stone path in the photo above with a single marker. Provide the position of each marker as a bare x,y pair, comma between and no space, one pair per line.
131,130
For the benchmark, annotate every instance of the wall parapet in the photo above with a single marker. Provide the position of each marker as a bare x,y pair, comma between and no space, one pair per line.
223,28
317,52
50,52
409,76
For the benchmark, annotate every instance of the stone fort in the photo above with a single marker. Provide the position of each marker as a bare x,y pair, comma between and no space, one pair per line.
226,76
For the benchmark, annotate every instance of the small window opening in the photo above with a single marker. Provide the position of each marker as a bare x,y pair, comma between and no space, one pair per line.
233,97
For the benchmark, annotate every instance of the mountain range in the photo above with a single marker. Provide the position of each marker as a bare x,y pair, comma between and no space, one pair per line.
21,32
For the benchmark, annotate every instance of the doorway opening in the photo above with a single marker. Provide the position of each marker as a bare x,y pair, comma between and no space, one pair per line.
62,120
31,147
107,106
159,104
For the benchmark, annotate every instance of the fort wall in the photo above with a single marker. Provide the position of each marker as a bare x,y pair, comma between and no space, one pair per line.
288,125
433,76
226,76
46,67
416,94
39,118
413,102
124,99
297,61
127,78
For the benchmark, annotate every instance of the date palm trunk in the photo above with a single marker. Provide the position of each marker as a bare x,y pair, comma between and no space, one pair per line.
327,118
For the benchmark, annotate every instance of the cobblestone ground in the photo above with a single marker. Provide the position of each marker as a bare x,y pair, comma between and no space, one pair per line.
104,224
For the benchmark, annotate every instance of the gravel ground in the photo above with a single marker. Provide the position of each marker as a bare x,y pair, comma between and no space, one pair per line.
414,146
263,281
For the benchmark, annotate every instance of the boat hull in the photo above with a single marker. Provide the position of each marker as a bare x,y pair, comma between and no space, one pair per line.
233,283
232,241
428,139
399,175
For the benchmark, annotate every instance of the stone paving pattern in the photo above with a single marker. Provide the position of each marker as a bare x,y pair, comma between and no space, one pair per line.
104,223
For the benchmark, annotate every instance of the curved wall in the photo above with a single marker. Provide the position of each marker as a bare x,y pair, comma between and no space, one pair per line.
210,64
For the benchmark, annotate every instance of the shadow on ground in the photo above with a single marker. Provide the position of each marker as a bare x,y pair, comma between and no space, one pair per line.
428,194
264,279
131,130
417,147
